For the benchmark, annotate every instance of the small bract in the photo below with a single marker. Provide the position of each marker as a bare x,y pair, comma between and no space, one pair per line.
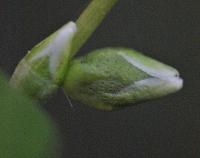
113,78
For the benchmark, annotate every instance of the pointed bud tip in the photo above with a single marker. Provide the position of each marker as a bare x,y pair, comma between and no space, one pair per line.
70,27
175,83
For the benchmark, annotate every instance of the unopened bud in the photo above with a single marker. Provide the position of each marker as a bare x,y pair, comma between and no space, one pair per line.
43,69
113,78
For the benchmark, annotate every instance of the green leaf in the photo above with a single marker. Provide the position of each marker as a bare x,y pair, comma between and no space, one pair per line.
26,131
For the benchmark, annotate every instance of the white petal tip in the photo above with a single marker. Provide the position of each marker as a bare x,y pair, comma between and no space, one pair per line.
175,82
70,27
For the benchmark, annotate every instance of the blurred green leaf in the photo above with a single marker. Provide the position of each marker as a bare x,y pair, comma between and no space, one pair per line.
25,130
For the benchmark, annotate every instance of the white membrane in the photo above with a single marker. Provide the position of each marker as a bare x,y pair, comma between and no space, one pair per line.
58,46
160,73
171,78
174,82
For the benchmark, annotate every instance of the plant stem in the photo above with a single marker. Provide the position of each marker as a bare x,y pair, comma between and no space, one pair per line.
89,20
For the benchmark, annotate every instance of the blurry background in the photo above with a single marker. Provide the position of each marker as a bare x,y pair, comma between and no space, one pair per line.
165,30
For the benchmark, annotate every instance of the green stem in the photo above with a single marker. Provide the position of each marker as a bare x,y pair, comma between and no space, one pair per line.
89,20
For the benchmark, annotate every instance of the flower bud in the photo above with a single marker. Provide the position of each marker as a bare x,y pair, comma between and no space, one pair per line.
113,78
43,69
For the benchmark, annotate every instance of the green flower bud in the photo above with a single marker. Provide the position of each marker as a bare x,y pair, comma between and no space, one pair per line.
43,69
112,78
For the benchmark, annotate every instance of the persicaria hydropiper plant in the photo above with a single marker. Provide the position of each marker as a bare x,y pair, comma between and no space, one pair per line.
107,79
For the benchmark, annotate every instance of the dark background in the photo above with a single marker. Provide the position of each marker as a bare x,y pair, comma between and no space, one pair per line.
166,30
